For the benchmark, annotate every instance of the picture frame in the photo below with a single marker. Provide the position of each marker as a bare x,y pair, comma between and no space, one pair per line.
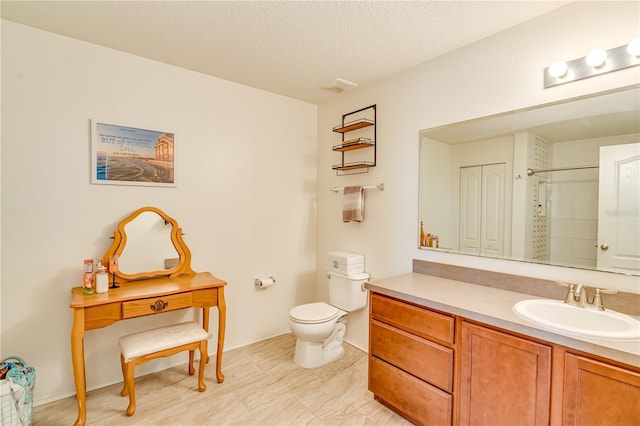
124,155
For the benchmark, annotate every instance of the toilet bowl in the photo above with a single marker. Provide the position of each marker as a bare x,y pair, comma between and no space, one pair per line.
320,327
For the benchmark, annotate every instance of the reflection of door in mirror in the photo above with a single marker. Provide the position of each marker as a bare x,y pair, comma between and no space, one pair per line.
482,209
148,244
619,208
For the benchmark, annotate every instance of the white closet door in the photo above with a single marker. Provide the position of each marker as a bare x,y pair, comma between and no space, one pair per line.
470,209
619,208
492,230
482,204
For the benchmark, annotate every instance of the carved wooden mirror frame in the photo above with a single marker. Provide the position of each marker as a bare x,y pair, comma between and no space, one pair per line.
183,267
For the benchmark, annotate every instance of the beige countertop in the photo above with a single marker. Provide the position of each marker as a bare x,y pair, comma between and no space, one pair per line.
494,307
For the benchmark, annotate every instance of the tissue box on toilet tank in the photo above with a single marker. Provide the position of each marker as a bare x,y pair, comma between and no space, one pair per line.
344,262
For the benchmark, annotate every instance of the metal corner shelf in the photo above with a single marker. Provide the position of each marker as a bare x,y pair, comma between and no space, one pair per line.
353,166
351,144
354,125
362,121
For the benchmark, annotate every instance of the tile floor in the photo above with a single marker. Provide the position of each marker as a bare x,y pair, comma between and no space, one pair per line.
262,387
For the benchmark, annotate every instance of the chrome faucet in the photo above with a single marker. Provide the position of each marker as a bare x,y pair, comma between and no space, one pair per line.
581,295
577,296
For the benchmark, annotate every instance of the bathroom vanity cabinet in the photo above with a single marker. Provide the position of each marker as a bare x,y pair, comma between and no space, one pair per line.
411,360
436,368
598,393
504,379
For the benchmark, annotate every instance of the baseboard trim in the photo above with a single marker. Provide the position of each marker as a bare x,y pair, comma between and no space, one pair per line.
356,345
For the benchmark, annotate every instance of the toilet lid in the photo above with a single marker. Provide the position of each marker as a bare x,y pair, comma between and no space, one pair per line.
314,313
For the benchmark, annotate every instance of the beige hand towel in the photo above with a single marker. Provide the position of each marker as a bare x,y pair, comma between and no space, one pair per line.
353,204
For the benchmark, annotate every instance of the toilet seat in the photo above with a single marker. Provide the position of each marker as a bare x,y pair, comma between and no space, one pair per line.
314,313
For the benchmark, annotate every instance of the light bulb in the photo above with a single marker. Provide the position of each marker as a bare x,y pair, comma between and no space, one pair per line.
633,48
558,69
596,57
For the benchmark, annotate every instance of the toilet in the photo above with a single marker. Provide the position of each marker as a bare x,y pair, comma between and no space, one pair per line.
320,327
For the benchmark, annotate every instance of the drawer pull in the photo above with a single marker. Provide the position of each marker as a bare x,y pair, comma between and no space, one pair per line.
156,305
159,306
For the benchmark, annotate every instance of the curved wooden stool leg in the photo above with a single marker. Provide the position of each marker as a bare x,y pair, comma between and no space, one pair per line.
191,369
203,357
124,390
130,386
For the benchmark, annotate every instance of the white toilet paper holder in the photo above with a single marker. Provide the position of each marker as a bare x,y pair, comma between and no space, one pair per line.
259,283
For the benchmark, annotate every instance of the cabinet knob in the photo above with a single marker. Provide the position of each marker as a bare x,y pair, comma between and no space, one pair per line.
604,247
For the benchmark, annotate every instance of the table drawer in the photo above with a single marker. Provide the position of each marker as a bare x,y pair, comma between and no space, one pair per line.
422,402
155,305
424,359
101,315
413,319
208,297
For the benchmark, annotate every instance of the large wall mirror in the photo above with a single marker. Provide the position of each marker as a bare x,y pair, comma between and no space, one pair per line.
556,184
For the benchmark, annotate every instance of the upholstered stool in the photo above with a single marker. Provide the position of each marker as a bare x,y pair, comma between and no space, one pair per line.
138,348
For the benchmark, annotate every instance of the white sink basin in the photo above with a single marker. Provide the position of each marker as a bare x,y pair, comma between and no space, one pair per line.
557,315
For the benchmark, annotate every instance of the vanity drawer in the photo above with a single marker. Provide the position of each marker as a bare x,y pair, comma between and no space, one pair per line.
202,298
422,358
155,305
101,315
422,402
413,319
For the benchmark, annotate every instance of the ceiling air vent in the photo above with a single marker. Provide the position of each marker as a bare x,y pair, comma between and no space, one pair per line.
338,85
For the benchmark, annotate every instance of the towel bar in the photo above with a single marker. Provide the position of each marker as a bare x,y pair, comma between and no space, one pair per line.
341,188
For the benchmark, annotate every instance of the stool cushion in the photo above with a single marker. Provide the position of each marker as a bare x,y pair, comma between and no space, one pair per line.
158,339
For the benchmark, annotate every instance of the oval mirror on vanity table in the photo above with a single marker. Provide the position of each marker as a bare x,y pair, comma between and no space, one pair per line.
163,282
149,244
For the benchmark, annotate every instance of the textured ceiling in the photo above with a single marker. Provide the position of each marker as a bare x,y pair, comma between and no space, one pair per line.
286,47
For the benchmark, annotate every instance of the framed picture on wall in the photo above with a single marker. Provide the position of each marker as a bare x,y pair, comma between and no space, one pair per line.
122,155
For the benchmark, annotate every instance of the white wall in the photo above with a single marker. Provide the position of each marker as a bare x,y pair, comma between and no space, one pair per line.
438,210
494,75
246,195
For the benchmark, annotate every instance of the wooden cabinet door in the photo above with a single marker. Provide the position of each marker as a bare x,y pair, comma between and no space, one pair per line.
504,380
596,393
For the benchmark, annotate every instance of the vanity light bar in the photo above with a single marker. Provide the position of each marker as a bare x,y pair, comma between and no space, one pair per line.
598,61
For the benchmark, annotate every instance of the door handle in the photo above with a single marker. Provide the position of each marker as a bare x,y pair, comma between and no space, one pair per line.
604,247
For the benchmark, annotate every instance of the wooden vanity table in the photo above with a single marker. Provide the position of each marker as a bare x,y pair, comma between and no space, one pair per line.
166,291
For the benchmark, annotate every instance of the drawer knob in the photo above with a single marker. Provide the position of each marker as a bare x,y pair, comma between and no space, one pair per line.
159,306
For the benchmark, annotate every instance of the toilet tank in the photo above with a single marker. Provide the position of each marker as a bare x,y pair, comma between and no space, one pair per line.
347,292
344,262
